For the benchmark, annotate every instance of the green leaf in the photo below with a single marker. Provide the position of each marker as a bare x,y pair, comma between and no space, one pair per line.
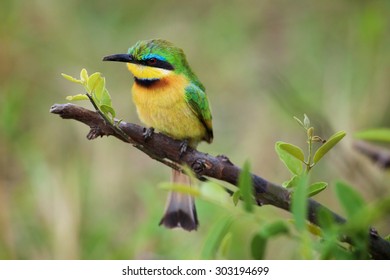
292,162
225,245
258,245
306,121
77,97
214,192
288,184
236,197
259,241
299,203
84,76
95,87
350,199
333,140
70,78
314,229
316,188
180,188
274,228
93,82
378,134
326,220
107,110
246,187
369,214
105,97
292,150
101,92
299,122
215,236
291,183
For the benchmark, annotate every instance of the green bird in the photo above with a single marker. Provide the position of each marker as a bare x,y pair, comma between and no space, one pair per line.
170,98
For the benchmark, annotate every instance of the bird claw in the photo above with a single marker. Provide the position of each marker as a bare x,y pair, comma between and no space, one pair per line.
148,133
199,166
183,147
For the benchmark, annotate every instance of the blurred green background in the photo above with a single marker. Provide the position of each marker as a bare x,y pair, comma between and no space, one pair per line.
262,62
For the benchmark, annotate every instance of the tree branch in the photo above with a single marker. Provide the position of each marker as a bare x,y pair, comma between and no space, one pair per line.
167,150
378,155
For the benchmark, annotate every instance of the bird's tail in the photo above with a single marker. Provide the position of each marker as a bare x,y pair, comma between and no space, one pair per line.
180,210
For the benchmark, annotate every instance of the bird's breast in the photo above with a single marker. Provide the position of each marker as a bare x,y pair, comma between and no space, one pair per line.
163,106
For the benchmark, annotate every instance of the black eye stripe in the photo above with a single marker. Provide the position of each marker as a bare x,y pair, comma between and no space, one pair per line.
156,63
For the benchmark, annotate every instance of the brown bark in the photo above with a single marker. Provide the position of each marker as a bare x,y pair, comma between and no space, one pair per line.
167,150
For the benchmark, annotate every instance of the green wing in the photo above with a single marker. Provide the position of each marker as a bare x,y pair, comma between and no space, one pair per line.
197,99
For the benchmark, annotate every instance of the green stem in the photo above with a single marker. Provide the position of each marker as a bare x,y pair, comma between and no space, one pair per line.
308,164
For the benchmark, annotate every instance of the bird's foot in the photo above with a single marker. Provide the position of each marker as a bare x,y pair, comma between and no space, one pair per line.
199,166
183,147
148,133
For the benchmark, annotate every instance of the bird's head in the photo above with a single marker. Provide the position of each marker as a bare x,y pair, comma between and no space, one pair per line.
153,59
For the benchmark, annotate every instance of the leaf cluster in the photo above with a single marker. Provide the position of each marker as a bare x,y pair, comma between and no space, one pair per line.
95,91
293,156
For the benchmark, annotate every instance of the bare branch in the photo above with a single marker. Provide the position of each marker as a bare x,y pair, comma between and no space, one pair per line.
379,155
167,150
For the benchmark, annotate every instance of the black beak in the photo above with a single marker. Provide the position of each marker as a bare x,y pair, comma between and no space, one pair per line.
119,57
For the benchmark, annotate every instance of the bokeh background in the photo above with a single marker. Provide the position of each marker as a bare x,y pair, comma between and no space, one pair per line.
262,62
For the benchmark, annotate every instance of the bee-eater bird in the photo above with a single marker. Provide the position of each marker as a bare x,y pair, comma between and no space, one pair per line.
170,98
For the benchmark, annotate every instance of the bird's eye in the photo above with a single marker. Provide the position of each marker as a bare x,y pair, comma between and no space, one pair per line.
152,61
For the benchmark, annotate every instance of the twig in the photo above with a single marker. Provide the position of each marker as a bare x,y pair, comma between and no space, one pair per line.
379,155
167,150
